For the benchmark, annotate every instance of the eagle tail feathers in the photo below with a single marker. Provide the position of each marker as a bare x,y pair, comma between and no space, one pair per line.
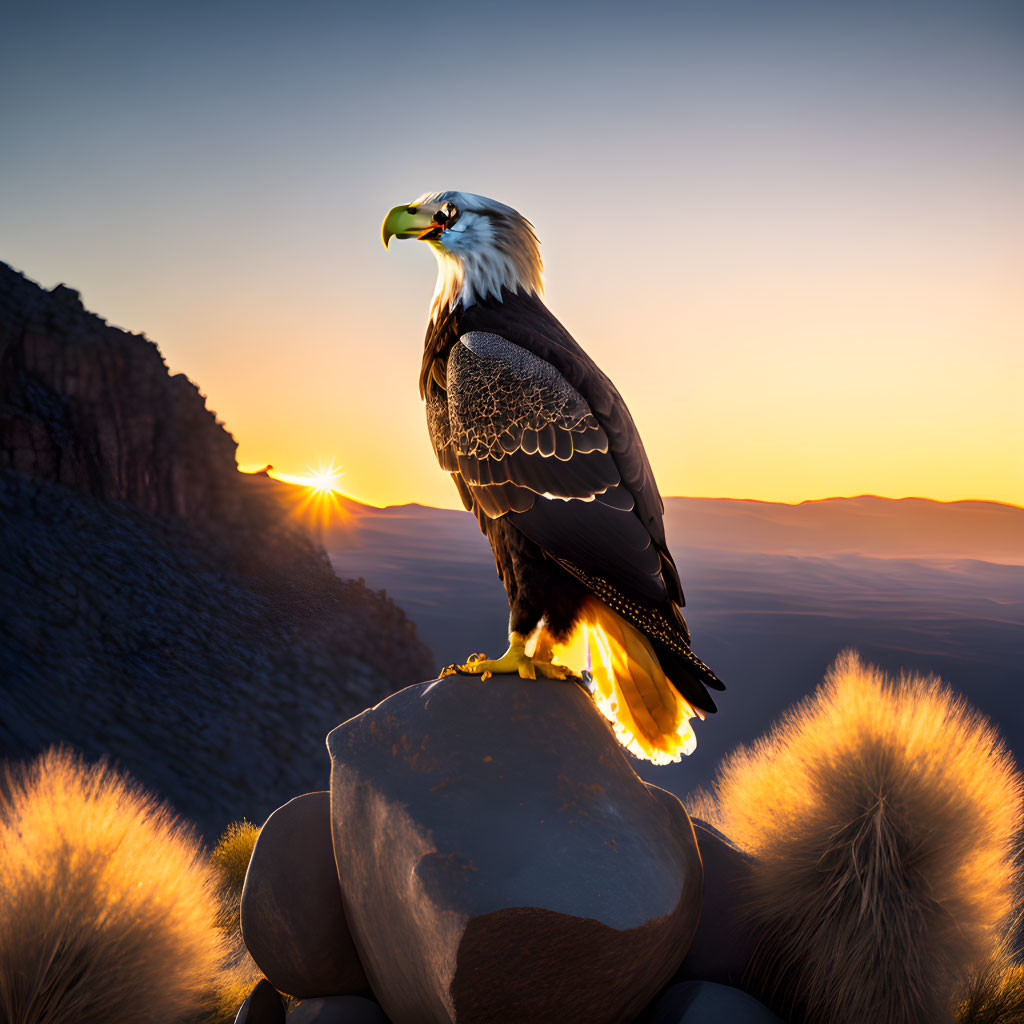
665,628
651,718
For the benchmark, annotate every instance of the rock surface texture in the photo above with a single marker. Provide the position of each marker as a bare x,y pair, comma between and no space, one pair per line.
156,605
500,860
293,922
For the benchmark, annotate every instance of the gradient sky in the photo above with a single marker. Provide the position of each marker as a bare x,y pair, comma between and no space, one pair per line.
792,234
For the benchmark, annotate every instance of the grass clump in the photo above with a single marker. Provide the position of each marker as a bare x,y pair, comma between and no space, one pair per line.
108,904
230,861
883,818
231,855
994,994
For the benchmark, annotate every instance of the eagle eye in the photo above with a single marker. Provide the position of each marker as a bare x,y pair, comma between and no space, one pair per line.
447,215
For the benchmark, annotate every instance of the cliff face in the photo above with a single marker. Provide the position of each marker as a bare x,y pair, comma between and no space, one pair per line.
92,407
156,604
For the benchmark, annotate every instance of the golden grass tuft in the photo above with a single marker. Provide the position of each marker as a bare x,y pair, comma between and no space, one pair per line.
993,994
107,904
230,860
882,817
231,855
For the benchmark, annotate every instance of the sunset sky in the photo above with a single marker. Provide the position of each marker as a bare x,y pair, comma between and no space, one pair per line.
792,234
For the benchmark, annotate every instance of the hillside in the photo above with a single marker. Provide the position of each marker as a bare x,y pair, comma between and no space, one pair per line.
157,605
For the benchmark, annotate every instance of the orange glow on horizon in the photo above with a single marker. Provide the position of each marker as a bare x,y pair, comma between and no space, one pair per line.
322,480
320,504
389,497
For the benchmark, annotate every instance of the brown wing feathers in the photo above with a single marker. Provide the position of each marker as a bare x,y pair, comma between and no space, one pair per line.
518,436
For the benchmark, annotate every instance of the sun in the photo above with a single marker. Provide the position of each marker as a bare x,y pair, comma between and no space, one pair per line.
319,503
322,481
326,481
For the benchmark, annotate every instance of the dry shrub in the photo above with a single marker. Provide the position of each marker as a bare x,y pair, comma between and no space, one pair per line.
233,852
107,904
882,817
230,859
994,993
239,973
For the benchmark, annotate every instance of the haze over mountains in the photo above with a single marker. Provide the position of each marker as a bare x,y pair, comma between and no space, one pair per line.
774,593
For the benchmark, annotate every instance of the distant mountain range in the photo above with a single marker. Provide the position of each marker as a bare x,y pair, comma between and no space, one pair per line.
866,525
774,592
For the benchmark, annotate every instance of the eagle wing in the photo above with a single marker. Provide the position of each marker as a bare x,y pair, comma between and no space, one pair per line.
521,441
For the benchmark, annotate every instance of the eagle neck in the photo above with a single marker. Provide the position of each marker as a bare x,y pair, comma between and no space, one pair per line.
467,278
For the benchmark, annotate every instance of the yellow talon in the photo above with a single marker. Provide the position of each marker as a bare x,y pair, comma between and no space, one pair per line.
515,660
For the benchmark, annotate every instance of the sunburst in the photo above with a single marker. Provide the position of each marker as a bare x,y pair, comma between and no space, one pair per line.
320,504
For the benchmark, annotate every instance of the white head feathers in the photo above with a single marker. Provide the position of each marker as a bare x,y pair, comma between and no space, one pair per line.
487,246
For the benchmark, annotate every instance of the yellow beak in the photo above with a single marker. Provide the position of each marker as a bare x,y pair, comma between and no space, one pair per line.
408,222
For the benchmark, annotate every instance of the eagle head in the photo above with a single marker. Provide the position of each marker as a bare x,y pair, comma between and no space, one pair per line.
482,246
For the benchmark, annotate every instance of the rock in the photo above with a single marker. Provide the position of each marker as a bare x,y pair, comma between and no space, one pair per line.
500,860
263,1005
704,1002
337,1010
293,921
724,942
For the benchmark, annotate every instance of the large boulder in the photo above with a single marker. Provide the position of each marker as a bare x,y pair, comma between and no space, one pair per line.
500,860
293,921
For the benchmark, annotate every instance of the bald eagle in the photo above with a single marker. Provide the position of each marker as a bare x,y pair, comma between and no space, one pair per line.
545,454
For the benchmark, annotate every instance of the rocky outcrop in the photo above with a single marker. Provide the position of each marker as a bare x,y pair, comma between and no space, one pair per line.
494,858
295,929
493,848
156,605
93,407
493,842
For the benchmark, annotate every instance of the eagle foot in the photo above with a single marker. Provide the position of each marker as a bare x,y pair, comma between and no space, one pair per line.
514,661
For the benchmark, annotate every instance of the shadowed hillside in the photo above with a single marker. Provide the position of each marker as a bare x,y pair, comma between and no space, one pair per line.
155,603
